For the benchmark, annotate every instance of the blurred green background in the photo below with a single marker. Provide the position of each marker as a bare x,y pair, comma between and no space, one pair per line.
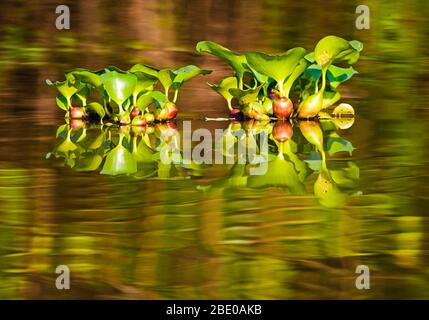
149,239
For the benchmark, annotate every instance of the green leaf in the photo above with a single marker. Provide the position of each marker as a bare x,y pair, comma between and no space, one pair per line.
62,102
119,86
224,86
166,77
83,93
159,98
329,98
299,69
143,68
97,108
337,75
86,76
336,144
66,88
236,61
278,67
247,96
119,161
332,49
144,83
186,73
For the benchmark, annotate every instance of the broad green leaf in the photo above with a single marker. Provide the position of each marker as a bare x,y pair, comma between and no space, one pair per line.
148,70
186,73
88,77
66,88
144,100
97,108
119,86
334,49
337,75
236,61
144,83
245,96
159,98
278,67
166,77
62,102
83,93
299,69
119,161
224,86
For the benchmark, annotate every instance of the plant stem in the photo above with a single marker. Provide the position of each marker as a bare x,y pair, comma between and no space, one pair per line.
176,92
229,104
280,155
280,87
323,79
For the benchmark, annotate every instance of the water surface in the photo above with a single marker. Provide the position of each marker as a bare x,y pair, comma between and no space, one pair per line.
199,234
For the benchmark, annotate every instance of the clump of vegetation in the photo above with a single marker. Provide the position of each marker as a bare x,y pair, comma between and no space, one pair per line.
262,84
123,96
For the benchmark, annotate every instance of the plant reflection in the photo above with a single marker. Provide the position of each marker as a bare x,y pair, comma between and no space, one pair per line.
297,155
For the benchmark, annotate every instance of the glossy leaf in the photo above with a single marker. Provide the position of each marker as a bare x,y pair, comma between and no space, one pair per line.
143,68
335,49
223,88
236,61
337,75
187,73
87,77
97,108
166,77
66,88
278,67
119,86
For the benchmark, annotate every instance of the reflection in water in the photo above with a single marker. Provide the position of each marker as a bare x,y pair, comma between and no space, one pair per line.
154,152
214,231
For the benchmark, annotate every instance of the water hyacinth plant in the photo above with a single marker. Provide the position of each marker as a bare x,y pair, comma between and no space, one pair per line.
262,83
123,96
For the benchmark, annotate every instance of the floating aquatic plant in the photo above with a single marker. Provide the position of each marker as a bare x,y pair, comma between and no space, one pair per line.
262,83
120,96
